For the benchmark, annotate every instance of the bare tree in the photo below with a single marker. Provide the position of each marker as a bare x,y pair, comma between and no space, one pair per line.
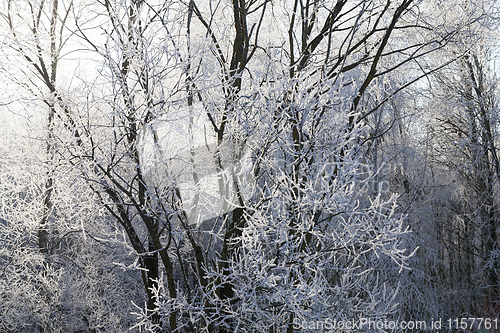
56,204
294,108
468,147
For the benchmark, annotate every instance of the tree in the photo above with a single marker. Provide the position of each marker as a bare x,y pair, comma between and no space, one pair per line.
469,143
303,106
449,202
54,276
314,136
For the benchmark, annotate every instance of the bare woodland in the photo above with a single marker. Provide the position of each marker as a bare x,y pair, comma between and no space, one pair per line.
247,165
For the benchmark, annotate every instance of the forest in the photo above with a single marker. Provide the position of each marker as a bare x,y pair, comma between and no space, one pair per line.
249,166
